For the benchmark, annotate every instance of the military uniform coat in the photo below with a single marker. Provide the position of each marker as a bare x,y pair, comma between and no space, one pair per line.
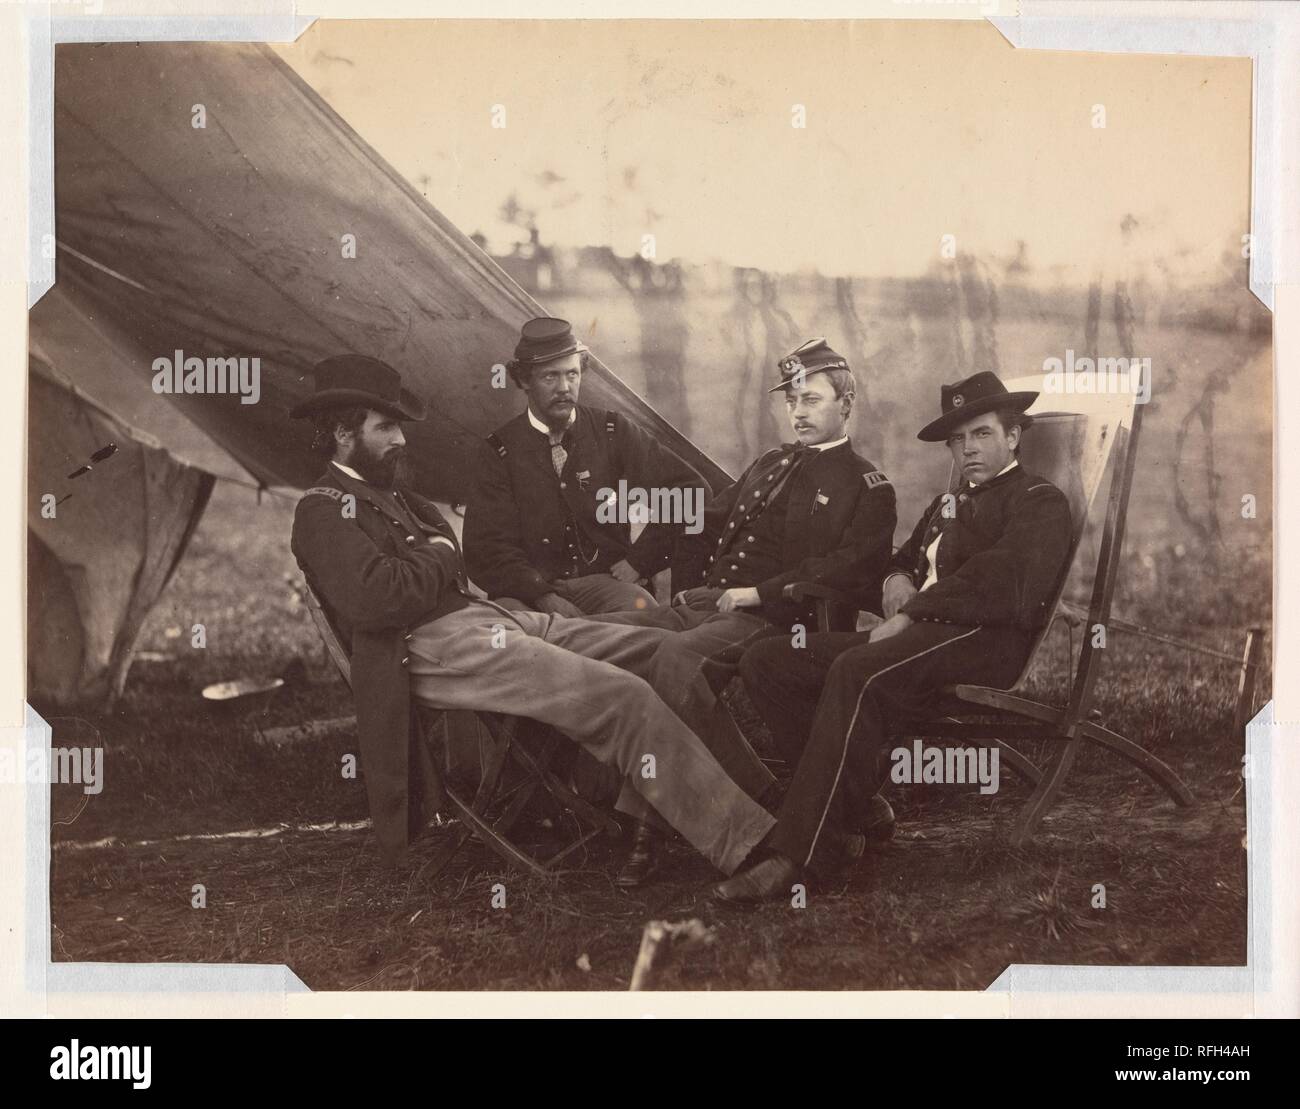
830,521
1001,558
526,528
838,699
375,565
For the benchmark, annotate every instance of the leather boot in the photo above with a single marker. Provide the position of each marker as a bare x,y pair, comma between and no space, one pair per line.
877,826
878,823
643,858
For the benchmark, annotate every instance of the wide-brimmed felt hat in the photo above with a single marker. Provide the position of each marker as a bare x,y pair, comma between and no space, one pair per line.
544,340
813,357
977,394
357,379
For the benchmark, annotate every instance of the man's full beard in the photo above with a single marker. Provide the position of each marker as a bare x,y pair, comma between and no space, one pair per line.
386,472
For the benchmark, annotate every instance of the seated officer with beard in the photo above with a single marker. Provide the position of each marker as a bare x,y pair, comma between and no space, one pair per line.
811,511
534,537
964,600
388,571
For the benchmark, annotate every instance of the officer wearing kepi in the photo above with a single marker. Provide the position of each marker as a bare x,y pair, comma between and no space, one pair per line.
810,511
533,535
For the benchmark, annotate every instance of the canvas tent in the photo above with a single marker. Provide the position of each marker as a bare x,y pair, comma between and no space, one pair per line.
227,241
101,547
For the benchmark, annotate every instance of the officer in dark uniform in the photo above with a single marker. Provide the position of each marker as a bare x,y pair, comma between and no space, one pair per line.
966,595
810,511
541,530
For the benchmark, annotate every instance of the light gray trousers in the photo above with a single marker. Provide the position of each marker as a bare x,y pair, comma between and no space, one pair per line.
581,677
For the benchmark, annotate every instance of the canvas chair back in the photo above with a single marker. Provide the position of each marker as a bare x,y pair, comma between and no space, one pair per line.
1071,443
333,644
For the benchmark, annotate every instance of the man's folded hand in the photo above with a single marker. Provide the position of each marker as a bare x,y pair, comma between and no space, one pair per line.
742,597
898,591
557,605
703,598
625,572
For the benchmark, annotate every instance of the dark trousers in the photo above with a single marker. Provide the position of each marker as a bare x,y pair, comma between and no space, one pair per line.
832,704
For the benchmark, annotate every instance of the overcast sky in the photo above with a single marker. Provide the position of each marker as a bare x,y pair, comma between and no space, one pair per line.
914,131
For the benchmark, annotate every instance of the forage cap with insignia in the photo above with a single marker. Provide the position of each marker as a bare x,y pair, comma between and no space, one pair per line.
545,339
813,357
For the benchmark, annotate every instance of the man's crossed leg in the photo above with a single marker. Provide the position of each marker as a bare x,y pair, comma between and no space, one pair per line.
581,677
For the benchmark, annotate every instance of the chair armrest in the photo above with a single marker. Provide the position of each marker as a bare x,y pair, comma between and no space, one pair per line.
836,611
807,591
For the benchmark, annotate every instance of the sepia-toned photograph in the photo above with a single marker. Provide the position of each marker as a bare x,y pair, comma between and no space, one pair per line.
645,505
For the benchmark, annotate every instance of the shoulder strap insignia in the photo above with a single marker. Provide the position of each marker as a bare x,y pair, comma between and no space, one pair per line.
336,494
611,423
874,478
497,445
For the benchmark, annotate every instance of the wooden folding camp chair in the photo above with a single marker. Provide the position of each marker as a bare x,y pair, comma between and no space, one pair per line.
1074,439
496,806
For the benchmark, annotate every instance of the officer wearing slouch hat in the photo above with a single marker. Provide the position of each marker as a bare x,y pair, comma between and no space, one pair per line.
532,533
809,511
964,599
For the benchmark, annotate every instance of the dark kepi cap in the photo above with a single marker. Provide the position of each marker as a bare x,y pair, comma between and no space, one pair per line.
544,340
356,379
814,357
977,394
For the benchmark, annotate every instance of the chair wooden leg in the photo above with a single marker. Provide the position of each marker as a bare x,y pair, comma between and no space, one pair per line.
474,815
581,841
503,731
1013,758
1049,785
433,866
459,836
490,836
1003,701
1246,685
1163,774
502,728
563,794
1019,763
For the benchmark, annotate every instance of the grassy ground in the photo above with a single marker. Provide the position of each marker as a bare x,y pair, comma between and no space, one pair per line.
946,904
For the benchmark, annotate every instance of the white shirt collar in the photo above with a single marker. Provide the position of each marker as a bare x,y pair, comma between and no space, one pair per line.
1009,466
348,470
573,415
828,446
